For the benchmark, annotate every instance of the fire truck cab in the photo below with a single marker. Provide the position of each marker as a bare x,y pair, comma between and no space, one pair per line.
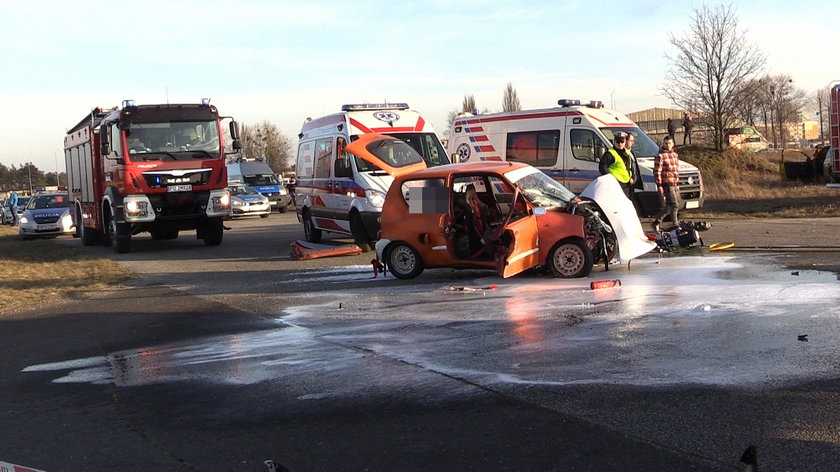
155,168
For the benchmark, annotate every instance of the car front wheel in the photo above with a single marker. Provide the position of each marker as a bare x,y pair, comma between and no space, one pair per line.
404,261
570,258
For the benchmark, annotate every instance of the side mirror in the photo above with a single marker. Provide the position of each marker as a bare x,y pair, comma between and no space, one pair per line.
104,147
455,158
236,145
234,131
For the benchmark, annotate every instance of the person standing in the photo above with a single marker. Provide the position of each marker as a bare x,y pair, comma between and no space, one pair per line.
13,203
686,128
618,162
667,177
672,128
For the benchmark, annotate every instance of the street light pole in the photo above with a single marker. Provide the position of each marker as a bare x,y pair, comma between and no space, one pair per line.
29,171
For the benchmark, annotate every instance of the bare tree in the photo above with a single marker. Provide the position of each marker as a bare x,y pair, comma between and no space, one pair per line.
786,105
264,140
469,104
749,100
821,101
713,60
511,99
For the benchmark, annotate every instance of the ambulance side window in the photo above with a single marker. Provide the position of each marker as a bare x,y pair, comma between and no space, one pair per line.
323,158
537,148
342,159
586,145
305,166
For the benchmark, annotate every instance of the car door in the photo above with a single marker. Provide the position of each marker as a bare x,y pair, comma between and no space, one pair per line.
518,241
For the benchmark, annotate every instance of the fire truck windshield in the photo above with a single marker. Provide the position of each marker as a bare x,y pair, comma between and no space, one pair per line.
176,140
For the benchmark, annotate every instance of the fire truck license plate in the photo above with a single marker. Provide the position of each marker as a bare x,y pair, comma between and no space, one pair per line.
179,188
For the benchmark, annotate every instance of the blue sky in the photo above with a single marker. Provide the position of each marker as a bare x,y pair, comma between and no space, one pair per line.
285,61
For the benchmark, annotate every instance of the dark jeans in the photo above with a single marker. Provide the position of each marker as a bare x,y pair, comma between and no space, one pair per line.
671,203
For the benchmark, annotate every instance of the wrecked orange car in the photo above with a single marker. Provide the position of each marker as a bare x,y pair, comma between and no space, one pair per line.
506,216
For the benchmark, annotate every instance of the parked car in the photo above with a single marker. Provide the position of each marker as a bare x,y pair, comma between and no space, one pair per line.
505,216
246,201
7,210
46,215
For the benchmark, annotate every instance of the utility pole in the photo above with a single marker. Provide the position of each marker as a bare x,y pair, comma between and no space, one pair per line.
29,171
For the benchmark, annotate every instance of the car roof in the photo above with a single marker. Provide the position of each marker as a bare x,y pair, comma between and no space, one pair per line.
468,168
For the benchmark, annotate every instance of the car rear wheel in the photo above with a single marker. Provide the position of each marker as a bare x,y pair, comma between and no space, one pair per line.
570,258
264,216
404,261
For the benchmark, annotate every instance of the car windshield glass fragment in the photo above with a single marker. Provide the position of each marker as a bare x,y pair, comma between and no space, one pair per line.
173,141
394,153
540,189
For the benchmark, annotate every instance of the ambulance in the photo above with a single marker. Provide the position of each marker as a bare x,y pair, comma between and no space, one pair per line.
336,192
566,142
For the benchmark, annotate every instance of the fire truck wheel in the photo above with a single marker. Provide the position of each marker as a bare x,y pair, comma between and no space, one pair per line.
312,234
357,228
89,236
213,234
570,258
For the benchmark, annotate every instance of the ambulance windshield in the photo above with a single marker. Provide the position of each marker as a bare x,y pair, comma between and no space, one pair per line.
643,145
427,145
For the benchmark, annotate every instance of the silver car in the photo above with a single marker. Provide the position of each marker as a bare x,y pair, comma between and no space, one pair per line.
46,215
7,210
246,201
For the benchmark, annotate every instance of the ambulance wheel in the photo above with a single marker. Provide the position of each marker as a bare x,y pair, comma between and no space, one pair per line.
357,228
310,232
570,258
119,234
404,261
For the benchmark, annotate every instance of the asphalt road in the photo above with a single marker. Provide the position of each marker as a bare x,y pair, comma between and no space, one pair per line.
129,380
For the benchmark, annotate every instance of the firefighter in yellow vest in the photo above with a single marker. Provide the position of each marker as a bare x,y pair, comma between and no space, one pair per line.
619,162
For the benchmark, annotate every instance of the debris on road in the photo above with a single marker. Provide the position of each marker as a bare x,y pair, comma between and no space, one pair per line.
303,250
471,289
599,284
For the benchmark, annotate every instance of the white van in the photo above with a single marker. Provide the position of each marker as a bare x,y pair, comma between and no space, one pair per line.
566,143
337,194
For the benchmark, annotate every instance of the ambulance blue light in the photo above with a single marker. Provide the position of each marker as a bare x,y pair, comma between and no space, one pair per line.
128,103
566,102
374,106
205,102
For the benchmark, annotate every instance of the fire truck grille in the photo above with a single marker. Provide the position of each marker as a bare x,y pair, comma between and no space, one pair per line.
179,204
160,180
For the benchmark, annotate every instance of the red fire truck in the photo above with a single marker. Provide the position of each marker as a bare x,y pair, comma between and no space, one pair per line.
155,168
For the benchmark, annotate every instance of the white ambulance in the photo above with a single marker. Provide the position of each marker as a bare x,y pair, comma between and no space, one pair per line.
341,194
566,143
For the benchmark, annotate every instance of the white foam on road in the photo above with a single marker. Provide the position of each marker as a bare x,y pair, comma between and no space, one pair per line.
674,320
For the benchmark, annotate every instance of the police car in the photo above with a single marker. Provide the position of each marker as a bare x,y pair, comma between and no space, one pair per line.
246,201
46,215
